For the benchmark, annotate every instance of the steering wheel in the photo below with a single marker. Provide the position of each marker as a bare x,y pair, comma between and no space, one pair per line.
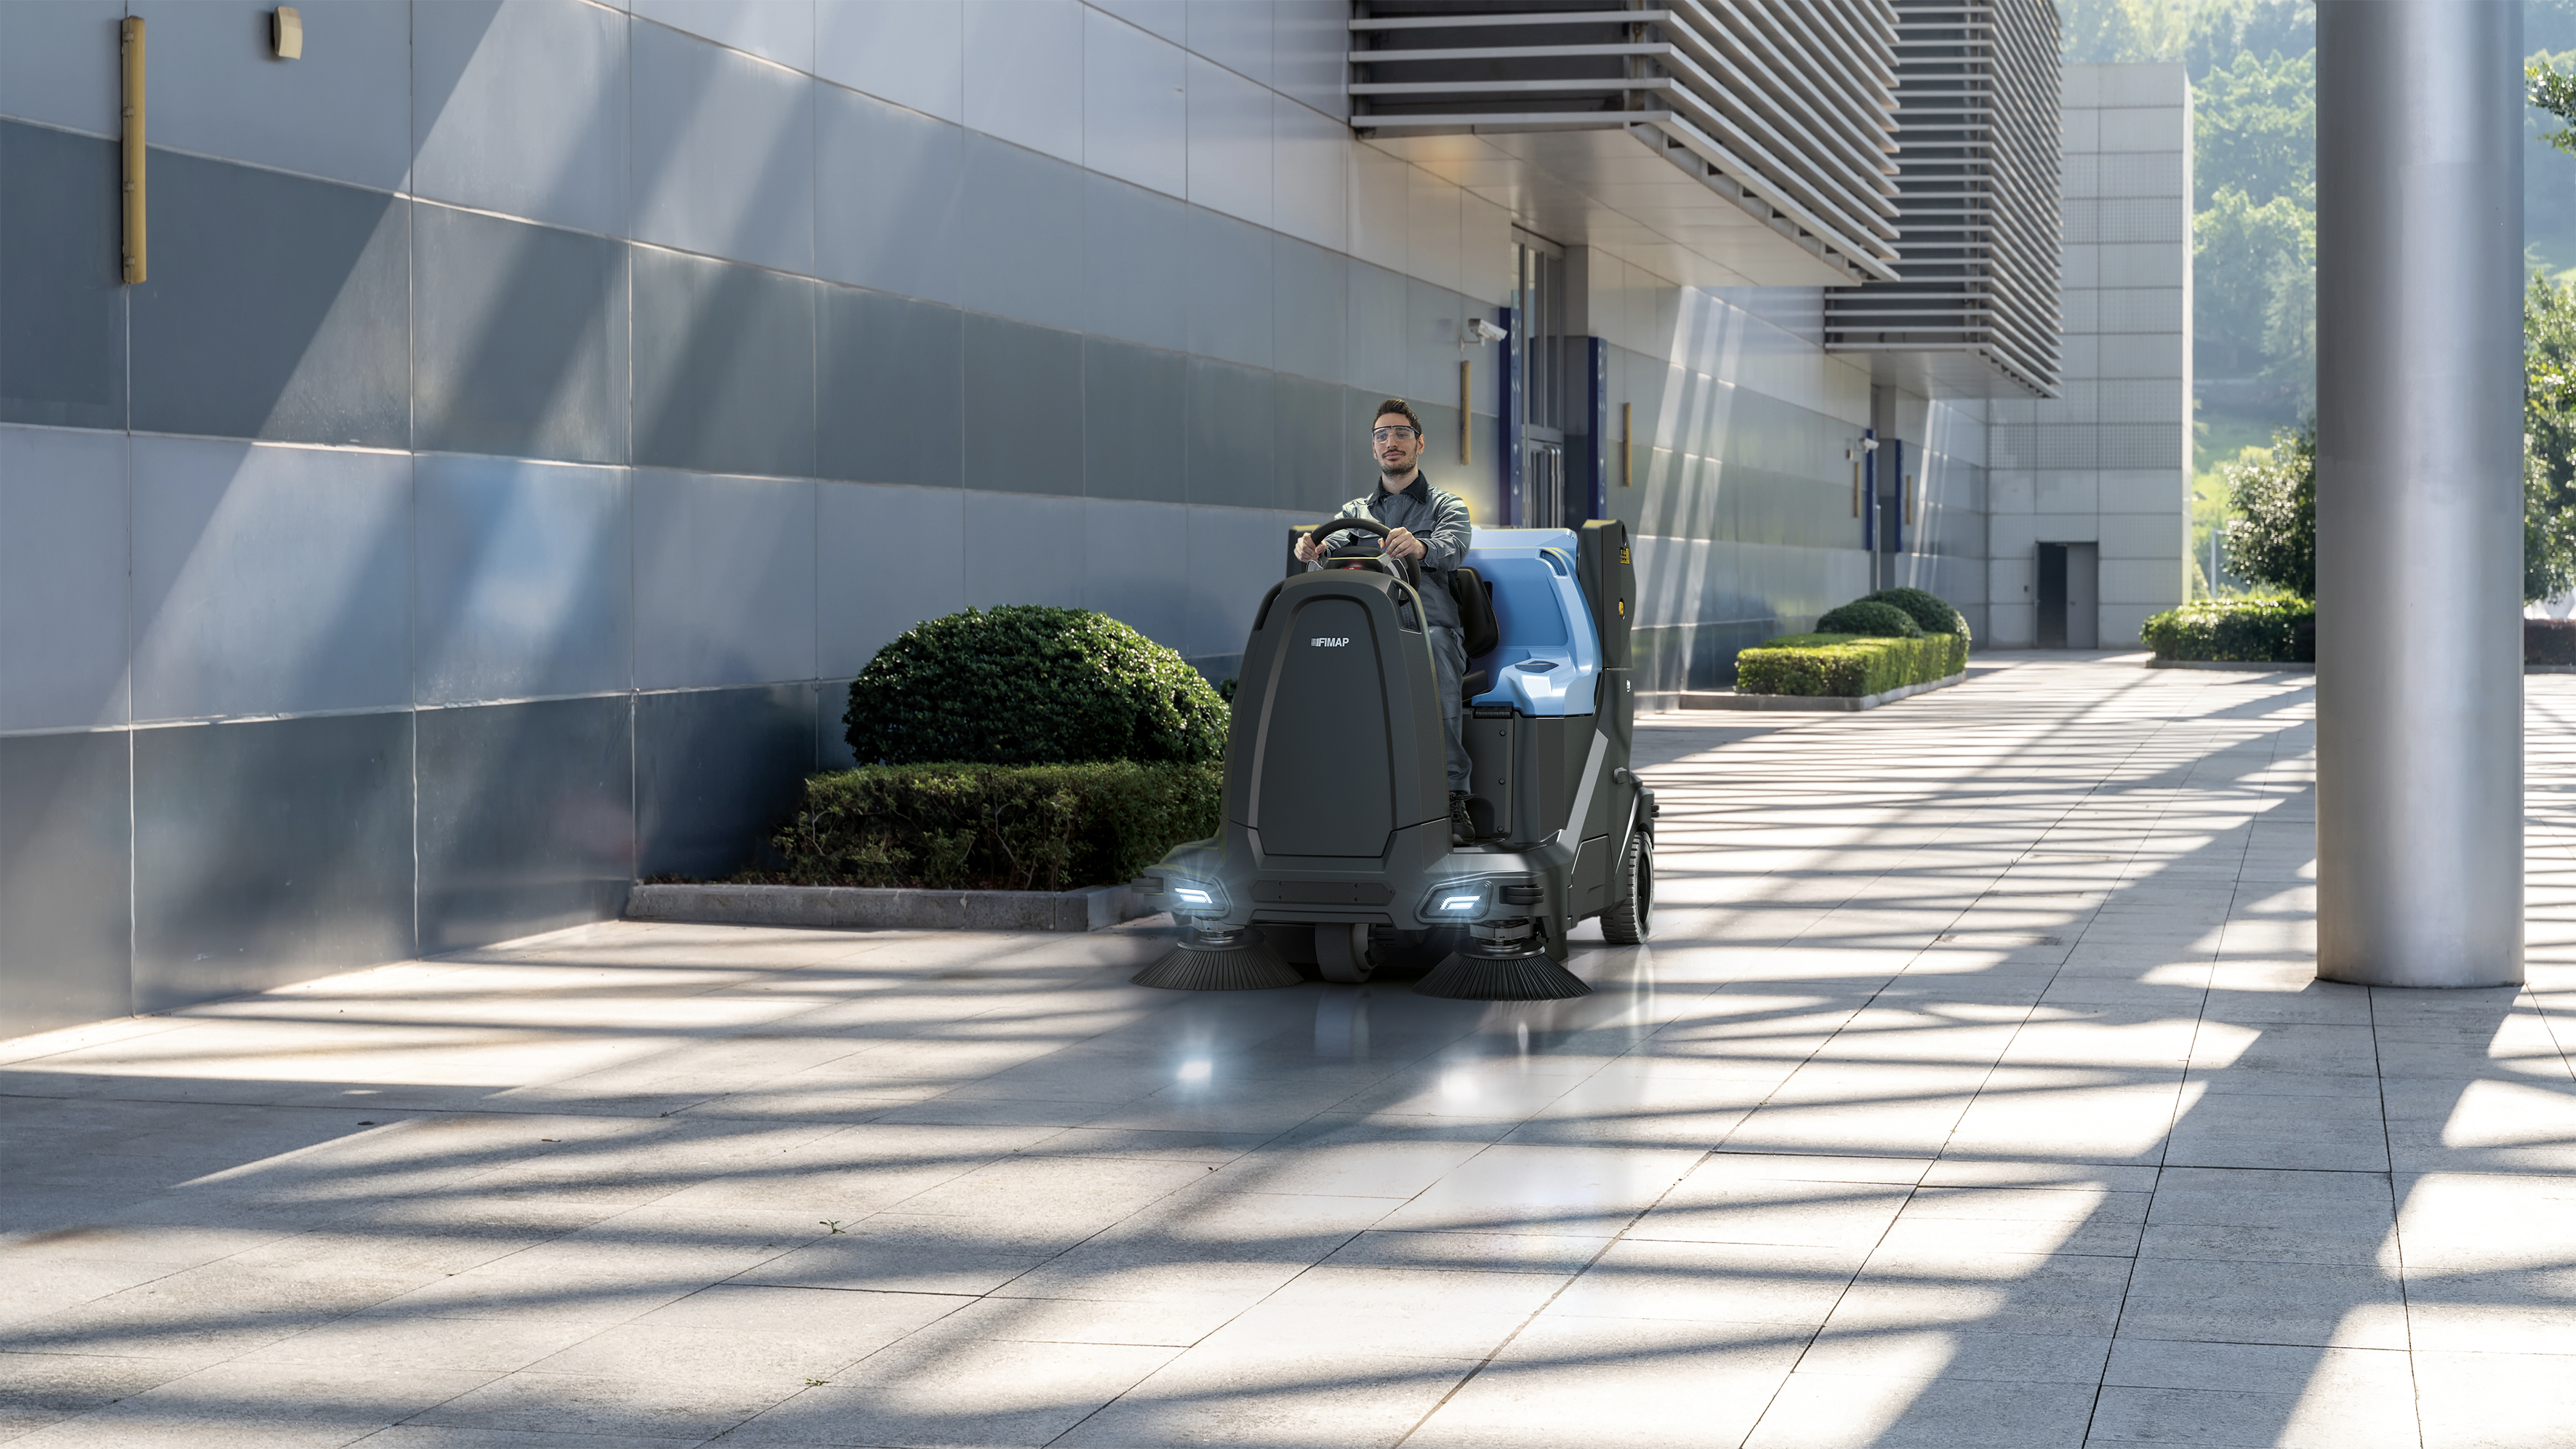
1412,567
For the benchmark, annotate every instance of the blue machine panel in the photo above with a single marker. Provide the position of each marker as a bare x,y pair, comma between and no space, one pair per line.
1549,659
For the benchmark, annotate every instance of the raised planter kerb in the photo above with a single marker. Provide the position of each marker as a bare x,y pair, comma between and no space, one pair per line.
2238,666
860,908
1722,699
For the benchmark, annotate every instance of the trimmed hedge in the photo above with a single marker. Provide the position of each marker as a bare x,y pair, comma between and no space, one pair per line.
1928,610
2549,641
1847,665
1030,685
995,827
2264,631
1875,618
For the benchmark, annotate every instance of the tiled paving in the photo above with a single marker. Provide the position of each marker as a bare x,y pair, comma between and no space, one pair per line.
1974,1092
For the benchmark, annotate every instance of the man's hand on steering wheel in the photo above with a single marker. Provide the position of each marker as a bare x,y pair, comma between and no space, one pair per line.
1397,544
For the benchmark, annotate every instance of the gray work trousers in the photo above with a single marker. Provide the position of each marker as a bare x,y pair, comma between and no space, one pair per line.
1449,655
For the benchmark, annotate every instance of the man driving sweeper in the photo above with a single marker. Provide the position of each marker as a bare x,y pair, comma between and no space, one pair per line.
1429,525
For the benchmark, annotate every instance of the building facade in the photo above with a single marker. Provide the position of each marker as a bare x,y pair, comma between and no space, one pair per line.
2090,490
534,413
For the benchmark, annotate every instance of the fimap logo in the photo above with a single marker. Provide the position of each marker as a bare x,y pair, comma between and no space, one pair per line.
1327,643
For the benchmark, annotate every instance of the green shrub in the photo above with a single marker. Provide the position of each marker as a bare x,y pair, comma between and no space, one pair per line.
1869,617
2549,641
1929,611
2278,631
1846,665
995,827
1028,685
2272,539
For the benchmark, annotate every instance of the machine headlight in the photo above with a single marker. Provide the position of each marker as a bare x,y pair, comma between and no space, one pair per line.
1459,900
1195,897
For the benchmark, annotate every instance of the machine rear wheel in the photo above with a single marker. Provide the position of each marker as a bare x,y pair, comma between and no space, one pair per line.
1342,952
1627,923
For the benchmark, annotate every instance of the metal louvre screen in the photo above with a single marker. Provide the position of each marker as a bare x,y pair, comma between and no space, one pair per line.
1978,210
1784,107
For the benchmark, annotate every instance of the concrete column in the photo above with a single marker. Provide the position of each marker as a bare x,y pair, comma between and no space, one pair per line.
2419,492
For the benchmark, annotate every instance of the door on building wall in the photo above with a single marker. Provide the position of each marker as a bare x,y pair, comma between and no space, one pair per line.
1543,481
1537,374
2070,595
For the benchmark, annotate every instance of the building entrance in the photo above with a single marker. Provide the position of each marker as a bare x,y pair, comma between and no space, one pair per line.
2070,596
1536,409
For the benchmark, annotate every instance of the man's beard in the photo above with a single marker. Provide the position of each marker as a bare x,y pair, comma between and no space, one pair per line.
1394,470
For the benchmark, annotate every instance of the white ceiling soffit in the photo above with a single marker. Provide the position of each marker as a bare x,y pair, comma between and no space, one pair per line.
1735,142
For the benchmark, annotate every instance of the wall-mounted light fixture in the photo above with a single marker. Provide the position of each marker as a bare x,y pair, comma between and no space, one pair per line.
286,32
130,55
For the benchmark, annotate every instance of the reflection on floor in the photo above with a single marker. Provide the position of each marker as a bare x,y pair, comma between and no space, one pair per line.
1974,1092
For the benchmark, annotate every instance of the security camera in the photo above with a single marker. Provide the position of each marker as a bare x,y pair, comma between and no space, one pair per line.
1481,330
1869,445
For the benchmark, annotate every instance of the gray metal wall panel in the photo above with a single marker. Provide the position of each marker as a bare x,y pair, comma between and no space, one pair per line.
66,939
894,557
62,354
890,390
888,210
1133,402
724,580
506,102
519,339
723,152
269,580
715,769
268,851
724,366
218,91
526,818
521,580
278,308
64,529
1025,387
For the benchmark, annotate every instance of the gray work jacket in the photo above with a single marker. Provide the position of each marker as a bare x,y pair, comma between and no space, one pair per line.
1438,519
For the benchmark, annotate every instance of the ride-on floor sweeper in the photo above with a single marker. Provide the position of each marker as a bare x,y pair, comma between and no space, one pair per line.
1337,849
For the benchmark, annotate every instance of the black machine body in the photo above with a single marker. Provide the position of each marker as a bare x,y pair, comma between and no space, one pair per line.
1338,852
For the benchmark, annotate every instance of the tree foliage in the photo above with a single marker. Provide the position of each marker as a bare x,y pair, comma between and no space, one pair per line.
2254,130
2253,72
2254,238
2273,493
2254,274
2203,34
2550,89
2549,440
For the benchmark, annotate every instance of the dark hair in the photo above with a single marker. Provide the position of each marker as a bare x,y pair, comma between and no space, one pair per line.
1399,405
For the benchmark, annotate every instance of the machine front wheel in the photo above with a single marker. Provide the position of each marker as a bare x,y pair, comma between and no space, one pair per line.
1626,923
1342,952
